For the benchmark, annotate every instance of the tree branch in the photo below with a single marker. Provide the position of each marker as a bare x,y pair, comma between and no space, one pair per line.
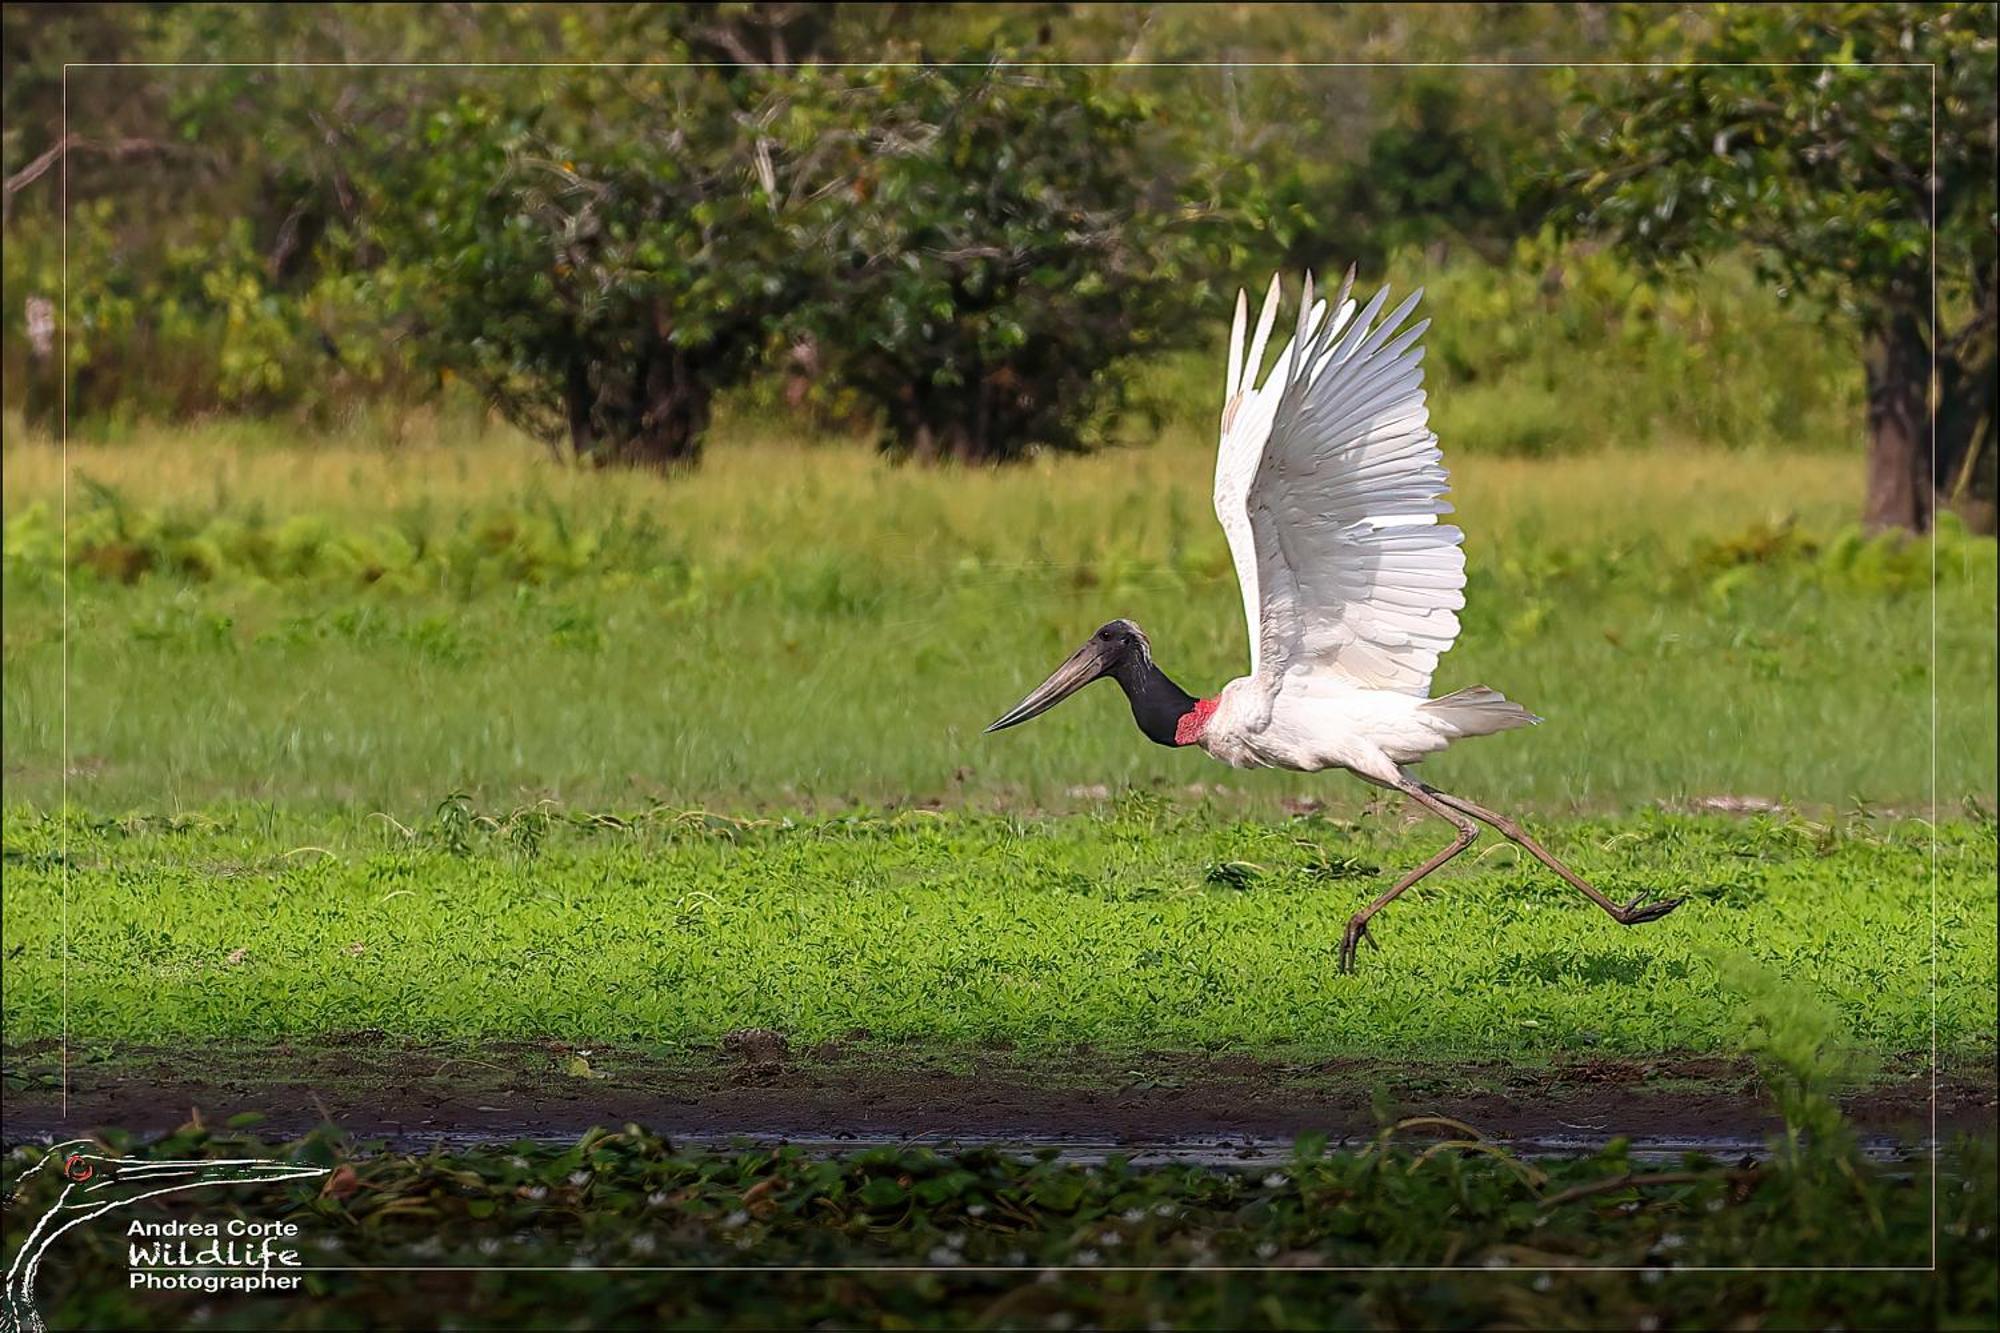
35,170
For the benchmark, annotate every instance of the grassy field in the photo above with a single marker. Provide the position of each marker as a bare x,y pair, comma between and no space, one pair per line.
385,761
798,628
284,659
1145,926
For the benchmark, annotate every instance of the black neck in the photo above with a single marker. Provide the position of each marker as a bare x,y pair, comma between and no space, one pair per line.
1158,704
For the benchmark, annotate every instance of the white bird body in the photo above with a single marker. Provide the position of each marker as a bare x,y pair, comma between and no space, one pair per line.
1329,485
1317,722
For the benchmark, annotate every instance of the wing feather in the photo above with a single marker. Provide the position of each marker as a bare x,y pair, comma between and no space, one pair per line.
1329,486
1265,319
1233,373
1246,424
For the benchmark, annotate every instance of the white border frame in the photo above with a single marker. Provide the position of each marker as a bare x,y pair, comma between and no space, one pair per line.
1189,65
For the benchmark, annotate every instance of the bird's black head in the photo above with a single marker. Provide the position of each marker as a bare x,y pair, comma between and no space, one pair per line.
1118,649
1125,638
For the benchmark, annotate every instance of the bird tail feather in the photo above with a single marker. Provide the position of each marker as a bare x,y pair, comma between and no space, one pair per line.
1479,711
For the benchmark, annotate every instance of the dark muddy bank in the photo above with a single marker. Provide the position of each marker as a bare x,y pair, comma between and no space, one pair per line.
755,1087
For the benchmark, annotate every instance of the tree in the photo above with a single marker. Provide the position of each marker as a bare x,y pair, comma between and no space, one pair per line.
1821,166
602,254
229,241
761,35
987,245
211,225
1434,171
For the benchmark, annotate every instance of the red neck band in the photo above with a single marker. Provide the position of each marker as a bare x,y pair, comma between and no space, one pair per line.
1193,722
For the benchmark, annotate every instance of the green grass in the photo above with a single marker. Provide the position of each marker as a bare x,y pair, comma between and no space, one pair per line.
351,628
289,653
301,650
1145,926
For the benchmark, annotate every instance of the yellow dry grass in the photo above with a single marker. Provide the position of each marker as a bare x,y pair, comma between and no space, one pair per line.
755,490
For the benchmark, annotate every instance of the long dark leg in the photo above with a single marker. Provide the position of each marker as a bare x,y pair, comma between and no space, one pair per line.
1631,914
1357,926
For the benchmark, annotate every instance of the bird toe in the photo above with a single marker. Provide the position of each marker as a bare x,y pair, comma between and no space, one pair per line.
1639,910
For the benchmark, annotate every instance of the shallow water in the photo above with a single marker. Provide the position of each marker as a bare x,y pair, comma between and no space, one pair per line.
1232,1151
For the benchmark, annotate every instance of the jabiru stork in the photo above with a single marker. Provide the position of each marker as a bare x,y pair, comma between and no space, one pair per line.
1328,484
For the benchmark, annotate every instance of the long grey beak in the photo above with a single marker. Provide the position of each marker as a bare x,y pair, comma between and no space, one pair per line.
1083,666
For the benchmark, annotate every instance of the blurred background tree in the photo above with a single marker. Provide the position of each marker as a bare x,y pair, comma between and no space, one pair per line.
989,242
979,261
1804,133
595,251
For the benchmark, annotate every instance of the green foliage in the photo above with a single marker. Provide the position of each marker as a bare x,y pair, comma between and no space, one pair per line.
212,256
1806,1055
997,1231
197,326
301,242
600,254
598,250
1570,348
1805,130
1434,171
1320,167
987,250
1850,148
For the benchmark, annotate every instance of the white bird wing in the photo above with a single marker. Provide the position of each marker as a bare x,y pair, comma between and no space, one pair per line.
1328,485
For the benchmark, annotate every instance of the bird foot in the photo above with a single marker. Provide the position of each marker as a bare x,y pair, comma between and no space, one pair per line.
1640,910
1350,943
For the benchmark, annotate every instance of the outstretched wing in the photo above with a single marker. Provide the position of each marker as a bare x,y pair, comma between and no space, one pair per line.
1328,484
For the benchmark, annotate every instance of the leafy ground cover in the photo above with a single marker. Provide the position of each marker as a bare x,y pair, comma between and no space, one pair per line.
619,1229
1145,924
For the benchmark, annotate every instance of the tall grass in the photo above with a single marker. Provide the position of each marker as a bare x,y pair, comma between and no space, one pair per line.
801,624
757,476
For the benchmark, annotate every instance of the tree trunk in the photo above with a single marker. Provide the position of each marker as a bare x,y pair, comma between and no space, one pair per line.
652,417
674,409
578,403
945,426
1968,424
1899,444
924,441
